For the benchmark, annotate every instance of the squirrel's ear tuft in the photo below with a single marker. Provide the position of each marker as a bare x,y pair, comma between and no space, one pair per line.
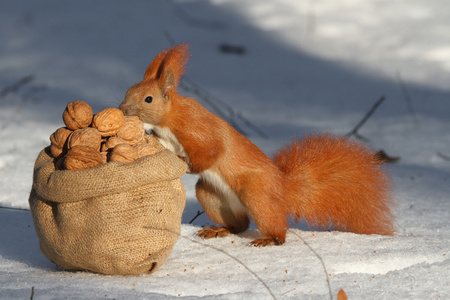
172,61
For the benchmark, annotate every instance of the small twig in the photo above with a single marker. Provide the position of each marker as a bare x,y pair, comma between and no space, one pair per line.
321,261
32,293
13,88
406,96
199,213
237,260
364,120
288,291
252,126
382,156
213,102
33,90
443,156
222,251
192,88
216,105
360,137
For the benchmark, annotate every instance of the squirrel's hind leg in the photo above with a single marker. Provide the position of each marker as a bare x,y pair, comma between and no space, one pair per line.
234,218
264,200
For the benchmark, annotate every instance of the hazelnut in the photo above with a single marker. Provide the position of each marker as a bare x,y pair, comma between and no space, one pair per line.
132,130
58,141
108,121
85,137
77,115
123,153
81,157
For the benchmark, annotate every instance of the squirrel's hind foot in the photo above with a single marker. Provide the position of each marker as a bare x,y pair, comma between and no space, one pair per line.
212,232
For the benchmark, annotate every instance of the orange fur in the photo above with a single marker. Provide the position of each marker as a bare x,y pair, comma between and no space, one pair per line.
322,179
335,181
169,61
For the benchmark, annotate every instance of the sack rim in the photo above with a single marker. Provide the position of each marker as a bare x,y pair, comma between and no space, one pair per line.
113,177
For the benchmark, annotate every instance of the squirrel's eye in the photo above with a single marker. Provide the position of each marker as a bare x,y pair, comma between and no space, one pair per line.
149,99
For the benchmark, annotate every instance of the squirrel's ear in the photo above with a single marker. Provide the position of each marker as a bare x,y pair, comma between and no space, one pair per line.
155,66
172,60
173,65
167,83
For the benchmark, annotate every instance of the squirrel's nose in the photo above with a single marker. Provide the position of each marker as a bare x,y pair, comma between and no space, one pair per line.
124,108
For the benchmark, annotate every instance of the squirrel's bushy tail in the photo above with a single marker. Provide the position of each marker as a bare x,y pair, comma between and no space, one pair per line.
336,181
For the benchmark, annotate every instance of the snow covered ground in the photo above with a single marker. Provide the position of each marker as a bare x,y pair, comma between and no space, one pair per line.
290,68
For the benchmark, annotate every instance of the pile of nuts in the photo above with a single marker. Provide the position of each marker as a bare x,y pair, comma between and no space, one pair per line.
89,140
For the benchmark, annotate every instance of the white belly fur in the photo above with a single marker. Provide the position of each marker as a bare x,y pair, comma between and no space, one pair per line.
231,198
169,140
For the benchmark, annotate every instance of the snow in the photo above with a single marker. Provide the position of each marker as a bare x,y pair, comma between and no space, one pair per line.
308,66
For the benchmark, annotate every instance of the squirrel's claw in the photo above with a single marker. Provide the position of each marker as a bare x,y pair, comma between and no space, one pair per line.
189,170
212,232
266,241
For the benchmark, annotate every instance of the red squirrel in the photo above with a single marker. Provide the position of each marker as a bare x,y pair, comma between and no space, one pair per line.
323,179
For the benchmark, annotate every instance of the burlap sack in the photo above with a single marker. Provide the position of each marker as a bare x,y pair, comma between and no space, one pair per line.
116,218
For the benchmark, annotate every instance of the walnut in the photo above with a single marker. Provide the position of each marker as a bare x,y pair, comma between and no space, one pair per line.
77,115
58,141
59,163
81,157
123,153
144,149
85,137
108,121
56,150
111,143
132,130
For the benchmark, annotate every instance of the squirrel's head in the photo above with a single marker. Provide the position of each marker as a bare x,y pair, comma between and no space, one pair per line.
150,99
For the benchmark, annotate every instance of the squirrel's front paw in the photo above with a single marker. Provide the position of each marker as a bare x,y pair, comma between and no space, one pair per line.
189,170
267,241
212,232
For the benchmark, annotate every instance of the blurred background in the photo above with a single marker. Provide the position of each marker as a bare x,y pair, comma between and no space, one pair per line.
274,69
